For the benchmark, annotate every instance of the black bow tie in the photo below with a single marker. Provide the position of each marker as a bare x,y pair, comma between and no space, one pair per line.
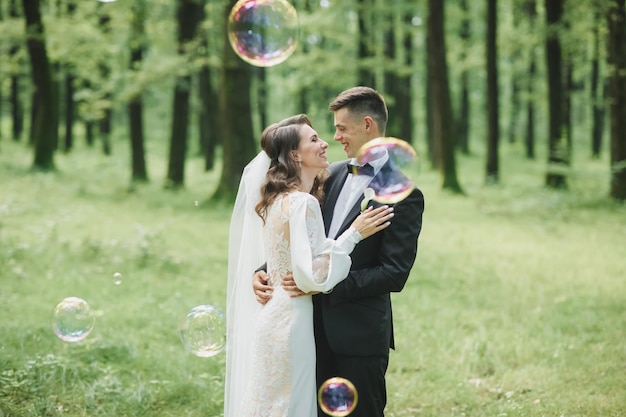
366,169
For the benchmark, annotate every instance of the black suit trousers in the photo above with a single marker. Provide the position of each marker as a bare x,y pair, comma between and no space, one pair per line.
367,373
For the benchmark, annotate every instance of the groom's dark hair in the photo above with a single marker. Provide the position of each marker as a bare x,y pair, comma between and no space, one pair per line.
361,102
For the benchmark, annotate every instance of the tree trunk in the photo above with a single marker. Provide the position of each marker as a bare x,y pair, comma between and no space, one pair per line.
366,76
304,92
397,79
404,101
531,11
463,116
207,96
88,122
442,119
188,18
493,133
34,108
208,117
597,94
105,123
69,111
617,96
530,108
89,136
17,108
45,125
515,57
238,145
428,105
261,94
135,104
557,142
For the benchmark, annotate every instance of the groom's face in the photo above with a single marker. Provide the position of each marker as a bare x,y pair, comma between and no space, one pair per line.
351,131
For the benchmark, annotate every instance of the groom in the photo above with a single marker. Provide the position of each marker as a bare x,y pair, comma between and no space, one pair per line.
353,323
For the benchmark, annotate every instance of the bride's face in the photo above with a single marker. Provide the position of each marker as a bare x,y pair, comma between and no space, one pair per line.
312,149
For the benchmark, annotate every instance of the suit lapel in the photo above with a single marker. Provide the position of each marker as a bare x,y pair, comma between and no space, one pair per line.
350,216
333,188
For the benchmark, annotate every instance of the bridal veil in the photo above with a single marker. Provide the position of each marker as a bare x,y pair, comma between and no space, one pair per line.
245,254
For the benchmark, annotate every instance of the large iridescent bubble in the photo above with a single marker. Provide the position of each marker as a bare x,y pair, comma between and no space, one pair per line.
72,320
337,397
393,182
203,331
263,32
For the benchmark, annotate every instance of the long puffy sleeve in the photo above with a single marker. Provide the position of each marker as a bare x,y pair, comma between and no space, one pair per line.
318,263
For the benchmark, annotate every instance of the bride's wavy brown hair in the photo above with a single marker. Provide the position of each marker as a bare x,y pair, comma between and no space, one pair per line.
279,140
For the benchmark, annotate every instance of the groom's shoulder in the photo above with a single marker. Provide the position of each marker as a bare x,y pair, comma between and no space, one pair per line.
336,167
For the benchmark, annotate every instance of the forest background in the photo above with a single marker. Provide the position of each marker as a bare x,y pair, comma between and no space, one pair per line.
124,127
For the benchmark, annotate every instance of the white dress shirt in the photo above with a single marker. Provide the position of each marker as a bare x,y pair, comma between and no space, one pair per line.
352,189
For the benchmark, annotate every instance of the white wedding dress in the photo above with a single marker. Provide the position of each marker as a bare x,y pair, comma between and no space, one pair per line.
282,370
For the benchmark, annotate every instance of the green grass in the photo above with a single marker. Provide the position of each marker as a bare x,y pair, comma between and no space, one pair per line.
515,306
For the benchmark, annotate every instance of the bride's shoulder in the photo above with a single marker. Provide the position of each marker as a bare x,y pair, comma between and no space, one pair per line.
299,197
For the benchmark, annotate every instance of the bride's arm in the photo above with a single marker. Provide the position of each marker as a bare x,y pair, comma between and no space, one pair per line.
320,263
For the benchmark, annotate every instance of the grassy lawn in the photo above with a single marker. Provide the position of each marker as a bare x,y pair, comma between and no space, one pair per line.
516,305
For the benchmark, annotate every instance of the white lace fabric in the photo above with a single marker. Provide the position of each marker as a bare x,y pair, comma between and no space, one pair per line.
282,382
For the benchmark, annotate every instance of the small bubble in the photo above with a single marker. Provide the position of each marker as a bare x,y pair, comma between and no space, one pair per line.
337,397
117,278
72,320
203,331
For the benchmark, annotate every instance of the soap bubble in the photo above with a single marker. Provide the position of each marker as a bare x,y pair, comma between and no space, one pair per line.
263,32
72,320
391,184
203,331
337,397
117,278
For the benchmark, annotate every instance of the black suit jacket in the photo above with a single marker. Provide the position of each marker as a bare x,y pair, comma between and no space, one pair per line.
356,316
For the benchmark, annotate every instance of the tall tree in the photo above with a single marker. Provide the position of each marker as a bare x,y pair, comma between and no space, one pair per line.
493,131
366,76
69,94
138,43
45,123
531,11
304,90
442,126
187,16
617,96
238,144
260,76
207,97
398,54
463,116
515,57
105,122
596,89
558,157
17,107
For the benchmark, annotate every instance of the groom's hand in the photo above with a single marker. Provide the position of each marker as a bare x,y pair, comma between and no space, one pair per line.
262,290
289,285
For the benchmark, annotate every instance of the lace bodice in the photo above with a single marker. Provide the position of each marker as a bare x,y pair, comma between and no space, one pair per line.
294,232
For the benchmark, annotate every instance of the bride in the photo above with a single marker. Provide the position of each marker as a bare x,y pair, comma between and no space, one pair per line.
270,356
